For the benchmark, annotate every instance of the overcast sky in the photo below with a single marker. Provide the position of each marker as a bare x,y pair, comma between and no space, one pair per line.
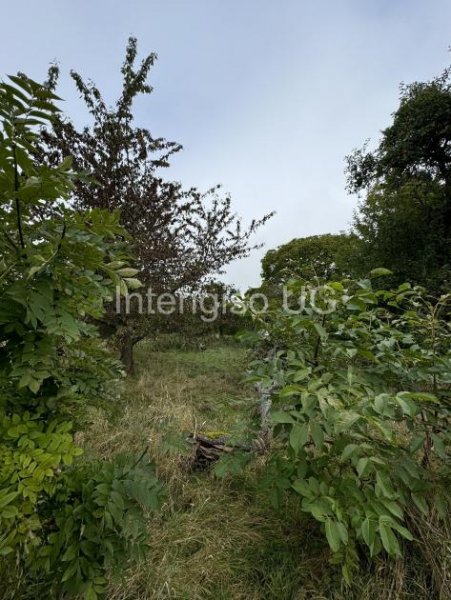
267,97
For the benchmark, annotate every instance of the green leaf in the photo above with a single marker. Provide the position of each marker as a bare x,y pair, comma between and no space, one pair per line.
421,504
91,593
380,403
347,574
407,404
439,446
333,535
343,532
394,508
368,529
117,264
384,484
349,451
118,500
320,330
319,509
127,272
301,375
34,385
70,571
9,512
290,390
403,531
298,436
317,434
388,538
6,498
68,459
380,272
302,488
133,284
441,504
70,553
421,396
416,443
362,464
280,416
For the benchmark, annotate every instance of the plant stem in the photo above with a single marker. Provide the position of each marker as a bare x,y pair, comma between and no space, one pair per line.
318,345
16,189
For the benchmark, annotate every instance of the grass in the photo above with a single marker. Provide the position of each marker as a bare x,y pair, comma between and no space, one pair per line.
221,539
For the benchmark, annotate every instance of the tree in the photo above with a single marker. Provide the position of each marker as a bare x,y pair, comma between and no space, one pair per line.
179,236
325,256
217,310
405,218
406,230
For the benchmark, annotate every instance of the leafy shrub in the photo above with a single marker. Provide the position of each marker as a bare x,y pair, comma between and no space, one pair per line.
360,384
57,269
102,527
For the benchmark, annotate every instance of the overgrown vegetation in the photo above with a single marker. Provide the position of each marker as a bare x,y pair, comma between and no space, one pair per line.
404,218
360,384
334,469
225,538
62,519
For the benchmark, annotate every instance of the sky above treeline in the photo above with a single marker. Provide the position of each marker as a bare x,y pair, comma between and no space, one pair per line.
266,97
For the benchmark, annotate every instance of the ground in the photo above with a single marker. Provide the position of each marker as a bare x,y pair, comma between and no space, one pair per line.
221,538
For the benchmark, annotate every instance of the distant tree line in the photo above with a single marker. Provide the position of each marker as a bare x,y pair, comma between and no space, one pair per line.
403,221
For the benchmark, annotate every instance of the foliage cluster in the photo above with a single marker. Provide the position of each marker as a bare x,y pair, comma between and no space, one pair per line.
323,257
404,219
59,517
360,389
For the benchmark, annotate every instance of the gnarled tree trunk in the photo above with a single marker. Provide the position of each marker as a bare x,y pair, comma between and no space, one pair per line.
127,343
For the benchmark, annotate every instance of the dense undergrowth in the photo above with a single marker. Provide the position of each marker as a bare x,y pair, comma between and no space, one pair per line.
222,538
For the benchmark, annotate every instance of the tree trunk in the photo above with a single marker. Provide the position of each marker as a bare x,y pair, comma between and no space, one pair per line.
127,343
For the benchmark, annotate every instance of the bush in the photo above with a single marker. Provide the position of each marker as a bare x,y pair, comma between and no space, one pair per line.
57,270
360,384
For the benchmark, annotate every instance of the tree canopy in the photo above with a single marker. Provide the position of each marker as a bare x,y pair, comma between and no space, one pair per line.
404,218
325,256
179,236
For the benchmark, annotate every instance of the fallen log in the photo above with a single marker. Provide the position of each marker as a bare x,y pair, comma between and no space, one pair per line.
208,447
